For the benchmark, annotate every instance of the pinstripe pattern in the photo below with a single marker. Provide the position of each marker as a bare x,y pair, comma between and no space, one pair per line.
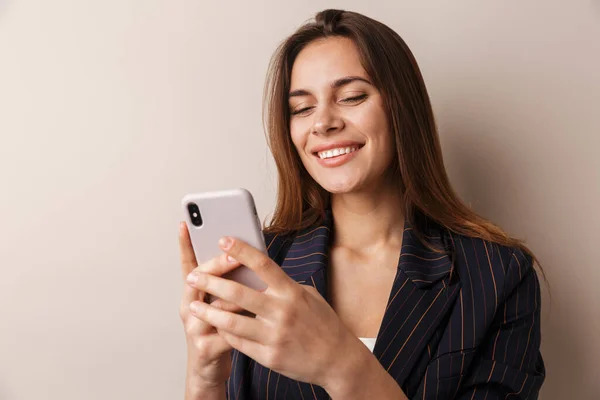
464,324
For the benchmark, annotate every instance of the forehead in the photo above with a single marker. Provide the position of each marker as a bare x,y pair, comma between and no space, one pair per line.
323,61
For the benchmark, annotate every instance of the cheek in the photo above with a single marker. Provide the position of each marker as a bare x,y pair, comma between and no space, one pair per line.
371,119
298,145
377,124
376,128
298,138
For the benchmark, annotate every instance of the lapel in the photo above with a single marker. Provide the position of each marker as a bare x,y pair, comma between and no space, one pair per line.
307,258
422,293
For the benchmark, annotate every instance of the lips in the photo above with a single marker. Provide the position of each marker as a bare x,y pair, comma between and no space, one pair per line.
338,151
336,154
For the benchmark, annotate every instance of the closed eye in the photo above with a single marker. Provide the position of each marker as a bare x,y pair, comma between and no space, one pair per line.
347,100
354,99
300,111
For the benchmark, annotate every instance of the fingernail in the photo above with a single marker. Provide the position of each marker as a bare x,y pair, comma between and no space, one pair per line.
192,278
225,242
231,260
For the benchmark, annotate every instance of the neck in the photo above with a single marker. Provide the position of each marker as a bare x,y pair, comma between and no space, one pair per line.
368,220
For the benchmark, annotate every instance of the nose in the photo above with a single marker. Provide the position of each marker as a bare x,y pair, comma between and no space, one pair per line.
326,121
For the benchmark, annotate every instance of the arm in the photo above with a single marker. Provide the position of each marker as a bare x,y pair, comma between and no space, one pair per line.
193,392
363,378
509,363
197,389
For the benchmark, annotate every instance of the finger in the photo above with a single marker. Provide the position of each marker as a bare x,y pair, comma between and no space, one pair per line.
266,269
219,266
188,263
186,251
191,294
252,349
211,347
226,306
239,325
231,291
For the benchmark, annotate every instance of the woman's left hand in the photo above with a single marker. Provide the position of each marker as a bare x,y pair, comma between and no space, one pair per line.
295,332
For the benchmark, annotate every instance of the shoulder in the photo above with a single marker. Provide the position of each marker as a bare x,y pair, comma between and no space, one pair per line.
277,244
491,266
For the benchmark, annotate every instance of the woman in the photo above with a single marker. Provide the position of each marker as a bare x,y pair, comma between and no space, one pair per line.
382,284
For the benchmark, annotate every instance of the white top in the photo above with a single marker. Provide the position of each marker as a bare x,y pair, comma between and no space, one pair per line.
369,342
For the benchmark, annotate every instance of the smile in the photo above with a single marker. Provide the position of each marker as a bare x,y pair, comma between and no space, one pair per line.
336,152
334,157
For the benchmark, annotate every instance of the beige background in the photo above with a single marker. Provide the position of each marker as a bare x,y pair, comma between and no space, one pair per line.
111,110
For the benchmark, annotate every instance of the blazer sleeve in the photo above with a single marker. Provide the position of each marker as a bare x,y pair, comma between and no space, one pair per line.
508,364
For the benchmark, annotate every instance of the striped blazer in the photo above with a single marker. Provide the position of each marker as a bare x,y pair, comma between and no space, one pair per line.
459,324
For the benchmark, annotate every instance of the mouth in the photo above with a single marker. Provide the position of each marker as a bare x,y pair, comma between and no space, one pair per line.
337,152
334,157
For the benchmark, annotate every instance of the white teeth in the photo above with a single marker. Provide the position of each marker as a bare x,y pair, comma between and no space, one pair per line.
336,152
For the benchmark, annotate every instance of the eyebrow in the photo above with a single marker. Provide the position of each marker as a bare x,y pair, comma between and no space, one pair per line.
334,85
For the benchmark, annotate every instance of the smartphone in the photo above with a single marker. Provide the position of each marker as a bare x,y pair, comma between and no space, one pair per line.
211,215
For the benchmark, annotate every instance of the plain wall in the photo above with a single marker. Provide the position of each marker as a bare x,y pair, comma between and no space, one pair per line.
110,111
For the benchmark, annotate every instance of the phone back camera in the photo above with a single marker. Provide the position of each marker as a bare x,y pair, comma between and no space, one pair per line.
194,212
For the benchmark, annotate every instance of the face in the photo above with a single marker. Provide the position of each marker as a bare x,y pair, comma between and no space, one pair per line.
338,124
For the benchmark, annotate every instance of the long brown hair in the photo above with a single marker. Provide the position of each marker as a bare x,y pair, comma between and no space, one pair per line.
418,164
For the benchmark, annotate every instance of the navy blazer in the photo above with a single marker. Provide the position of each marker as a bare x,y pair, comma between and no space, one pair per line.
460,325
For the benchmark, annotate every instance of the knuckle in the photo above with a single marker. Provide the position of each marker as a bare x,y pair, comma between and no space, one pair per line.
203,350
273,358
278,337
183,314
237,293
293,292
230,323
300,293
224,305
287,316
189,330
263,263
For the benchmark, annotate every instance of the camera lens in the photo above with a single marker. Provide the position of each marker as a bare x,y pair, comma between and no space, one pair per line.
195,215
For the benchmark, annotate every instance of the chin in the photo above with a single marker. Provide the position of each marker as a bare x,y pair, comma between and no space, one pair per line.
340,186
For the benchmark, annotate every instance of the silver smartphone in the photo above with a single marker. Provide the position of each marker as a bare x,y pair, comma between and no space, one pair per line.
211,215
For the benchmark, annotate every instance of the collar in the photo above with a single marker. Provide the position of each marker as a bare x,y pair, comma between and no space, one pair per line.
424,265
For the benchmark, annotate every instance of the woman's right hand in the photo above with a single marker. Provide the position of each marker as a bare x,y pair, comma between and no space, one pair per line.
209,355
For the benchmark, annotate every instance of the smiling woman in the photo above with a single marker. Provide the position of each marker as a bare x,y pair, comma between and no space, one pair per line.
338,108
381,283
